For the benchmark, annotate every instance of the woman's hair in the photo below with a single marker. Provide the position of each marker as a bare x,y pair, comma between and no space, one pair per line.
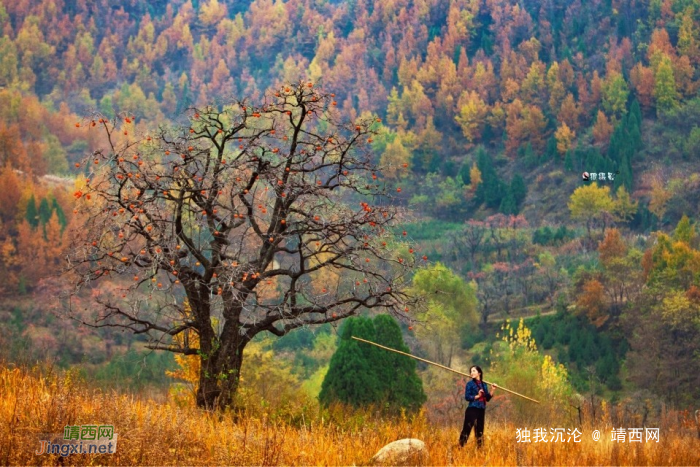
478,368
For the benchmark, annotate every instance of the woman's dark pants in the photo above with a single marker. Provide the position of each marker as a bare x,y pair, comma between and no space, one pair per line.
473,418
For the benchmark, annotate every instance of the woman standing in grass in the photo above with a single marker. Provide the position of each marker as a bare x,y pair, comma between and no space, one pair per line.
477,393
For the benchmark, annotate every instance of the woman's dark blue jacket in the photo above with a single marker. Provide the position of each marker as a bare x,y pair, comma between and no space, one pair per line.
472,390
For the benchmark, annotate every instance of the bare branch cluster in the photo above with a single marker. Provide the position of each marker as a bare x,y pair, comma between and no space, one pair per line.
245,213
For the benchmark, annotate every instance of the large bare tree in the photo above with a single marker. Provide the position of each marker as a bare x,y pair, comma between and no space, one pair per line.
236,223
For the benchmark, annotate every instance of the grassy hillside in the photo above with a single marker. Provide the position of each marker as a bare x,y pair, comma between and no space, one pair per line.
36,403
490,111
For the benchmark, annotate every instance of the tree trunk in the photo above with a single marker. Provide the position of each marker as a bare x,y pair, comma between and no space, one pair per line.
485,312
207,390
588,228
218,379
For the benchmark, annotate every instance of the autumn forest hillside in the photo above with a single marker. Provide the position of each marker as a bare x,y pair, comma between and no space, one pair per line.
490,111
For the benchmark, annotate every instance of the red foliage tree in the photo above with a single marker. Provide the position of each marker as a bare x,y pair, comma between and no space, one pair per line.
239,212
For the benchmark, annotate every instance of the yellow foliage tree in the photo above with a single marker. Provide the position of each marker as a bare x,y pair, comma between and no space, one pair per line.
624,208
472,115
557,91
679,310
519,366
475,177
659,197
394,158
589,202
211,13
565,138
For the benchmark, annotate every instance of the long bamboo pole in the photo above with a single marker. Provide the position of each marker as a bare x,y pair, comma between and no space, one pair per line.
438,365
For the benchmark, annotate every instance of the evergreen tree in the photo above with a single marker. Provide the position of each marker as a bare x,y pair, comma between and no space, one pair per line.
568,162
32,214
44,211
643,219
186,100
516,193
634,126
417,162
483,161
433,159
548,341
542,236
464,173
400,382
551,153
621,143
351,378
635,114
592,347
635,137
624,178
529,155
575,348
561,234
614,382
361,374
605,367
508,205
615,144
496,191
59,213
448,168
491,189
595,160
519,189
106,106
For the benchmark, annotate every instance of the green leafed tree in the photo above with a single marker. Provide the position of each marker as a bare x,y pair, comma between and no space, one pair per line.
55,156
615,94
517,364
352,378
32,214
590,202
635,116
665,86
508,205
465,173
44,211
451,311
360,374
625,208
685,231
401,384
491,190
568,162
519,190
59,213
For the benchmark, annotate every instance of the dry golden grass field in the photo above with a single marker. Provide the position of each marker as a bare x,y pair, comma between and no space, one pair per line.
162,433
